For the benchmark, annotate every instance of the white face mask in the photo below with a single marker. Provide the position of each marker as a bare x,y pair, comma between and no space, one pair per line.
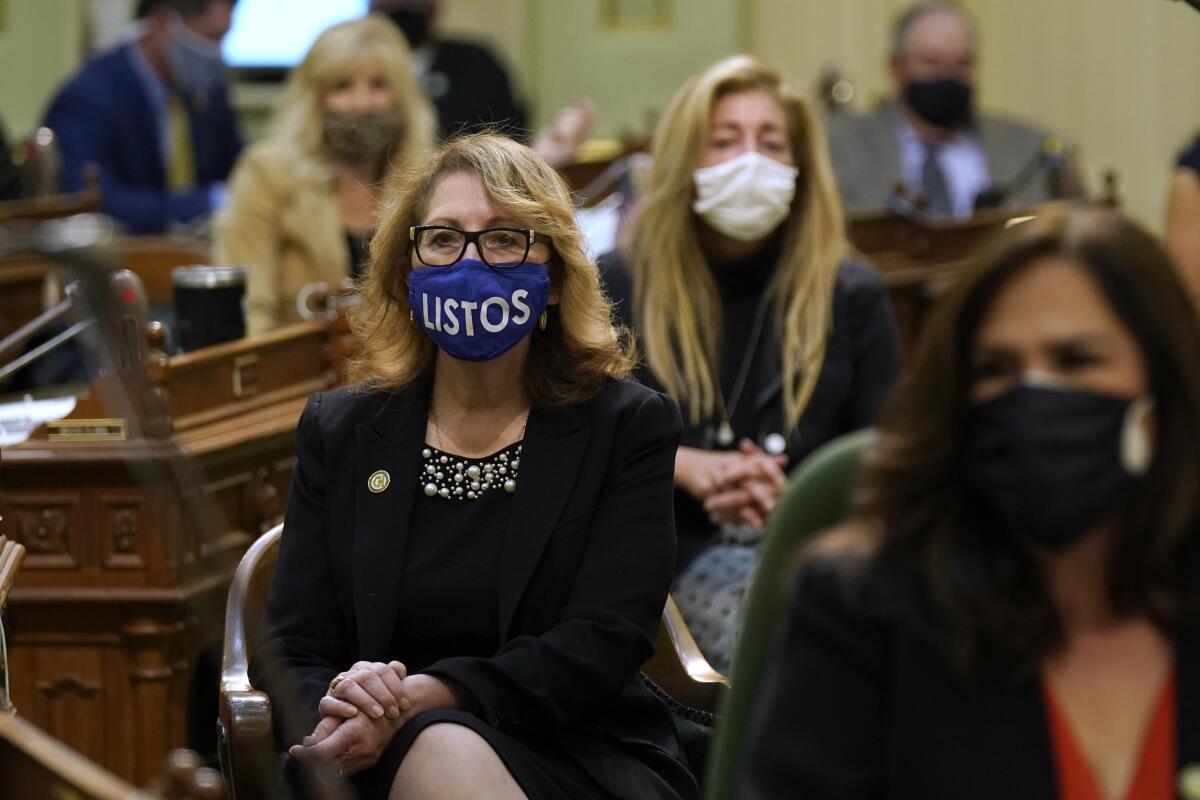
746,197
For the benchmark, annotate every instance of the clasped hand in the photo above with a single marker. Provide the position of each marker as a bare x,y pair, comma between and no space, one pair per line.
362,713
739,486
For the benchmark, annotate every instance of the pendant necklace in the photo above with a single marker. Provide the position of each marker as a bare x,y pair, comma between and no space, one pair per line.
725,433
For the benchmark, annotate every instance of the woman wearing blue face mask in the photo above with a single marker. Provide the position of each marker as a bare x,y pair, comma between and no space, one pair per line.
749,314
478,541
1014,612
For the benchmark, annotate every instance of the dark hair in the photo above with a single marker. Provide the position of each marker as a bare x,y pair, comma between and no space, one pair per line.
913,14
983,602
186,8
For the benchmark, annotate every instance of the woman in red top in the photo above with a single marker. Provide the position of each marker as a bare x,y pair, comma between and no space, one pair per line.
1013,612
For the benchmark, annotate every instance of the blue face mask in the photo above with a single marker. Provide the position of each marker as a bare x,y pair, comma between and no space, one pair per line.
475,312
197,67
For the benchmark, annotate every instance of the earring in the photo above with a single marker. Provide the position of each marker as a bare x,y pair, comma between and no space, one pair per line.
543,320
411,318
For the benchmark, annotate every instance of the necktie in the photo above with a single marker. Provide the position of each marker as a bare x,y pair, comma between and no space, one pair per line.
181,168
933,185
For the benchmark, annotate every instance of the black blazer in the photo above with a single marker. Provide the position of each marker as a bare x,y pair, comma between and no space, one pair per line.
860,707
583,575
862,361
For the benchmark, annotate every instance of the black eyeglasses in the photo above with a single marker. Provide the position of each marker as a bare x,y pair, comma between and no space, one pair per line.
500,248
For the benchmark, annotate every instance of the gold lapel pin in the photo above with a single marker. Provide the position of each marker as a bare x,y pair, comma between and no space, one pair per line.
378,481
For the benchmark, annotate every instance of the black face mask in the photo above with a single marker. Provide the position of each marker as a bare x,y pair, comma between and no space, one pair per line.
945,103
1045,463
414,24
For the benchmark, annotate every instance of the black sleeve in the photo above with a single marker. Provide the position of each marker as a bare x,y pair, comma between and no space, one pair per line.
876,348
1190,158
304,640
818,730
608,625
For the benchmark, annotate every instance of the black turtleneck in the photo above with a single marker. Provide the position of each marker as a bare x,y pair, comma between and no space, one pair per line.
742,285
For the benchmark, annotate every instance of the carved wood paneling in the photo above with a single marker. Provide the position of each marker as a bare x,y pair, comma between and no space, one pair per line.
68,697
122,533
48,526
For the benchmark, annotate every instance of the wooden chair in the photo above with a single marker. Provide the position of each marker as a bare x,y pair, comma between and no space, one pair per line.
245,745
11,555
38,765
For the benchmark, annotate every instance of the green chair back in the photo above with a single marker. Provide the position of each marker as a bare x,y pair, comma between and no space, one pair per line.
817,498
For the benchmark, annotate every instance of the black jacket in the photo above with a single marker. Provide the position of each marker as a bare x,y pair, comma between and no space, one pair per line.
862,360
860,707
583,575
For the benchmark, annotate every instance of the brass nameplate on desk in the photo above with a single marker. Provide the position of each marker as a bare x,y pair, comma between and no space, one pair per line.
86,430
245,375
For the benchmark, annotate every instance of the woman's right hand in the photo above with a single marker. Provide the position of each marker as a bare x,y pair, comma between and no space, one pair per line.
375,688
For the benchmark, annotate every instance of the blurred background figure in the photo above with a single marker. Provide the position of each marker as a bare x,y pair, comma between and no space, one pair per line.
153,117
749,314
1014,612
1183,217
305,200
10,178
467,84
931,139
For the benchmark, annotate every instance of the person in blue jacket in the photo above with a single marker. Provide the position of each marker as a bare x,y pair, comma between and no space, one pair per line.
154,118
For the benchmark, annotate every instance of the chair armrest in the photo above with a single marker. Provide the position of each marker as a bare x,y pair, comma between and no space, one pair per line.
245,740
680,669
245,744
688,652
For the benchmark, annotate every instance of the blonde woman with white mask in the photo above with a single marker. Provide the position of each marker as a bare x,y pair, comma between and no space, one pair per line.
749,314
304,201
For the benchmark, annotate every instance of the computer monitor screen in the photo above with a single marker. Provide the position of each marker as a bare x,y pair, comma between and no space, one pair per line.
275,34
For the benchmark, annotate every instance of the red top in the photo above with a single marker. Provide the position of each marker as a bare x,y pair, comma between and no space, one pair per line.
1153,778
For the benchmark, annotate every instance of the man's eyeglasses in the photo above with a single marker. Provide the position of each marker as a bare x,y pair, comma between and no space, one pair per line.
501,248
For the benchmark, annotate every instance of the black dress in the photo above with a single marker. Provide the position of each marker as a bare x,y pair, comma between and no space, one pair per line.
452,564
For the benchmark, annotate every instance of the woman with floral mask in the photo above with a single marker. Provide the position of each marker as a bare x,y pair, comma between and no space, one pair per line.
1013,614
748,314
478,545
304,201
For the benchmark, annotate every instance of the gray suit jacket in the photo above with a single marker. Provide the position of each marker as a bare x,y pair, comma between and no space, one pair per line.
866,158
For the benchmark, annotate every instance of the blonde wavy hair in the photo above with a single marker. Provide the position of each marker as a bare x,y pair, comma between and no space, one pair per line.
340,52
580,347
675,297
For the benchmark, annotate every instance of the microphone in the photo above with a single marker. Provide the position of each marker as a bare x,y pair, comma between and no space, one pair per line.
133,314
1048,158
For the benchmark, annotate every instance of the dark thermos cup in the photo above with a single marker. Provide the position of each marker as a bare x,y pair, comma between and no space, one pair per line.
208,305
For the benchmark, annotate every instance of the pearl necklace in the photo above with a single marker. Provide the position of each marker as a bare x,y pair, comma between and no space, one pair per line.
448,476
453,477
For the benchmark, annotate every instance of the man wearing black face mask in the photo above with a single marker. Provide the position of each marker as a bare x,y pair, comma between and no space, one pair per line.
930,138
153,116
468,86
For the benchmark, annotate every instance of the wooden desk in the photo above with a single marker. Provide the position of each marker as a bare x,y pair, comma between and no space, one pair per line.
120,600
920,259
